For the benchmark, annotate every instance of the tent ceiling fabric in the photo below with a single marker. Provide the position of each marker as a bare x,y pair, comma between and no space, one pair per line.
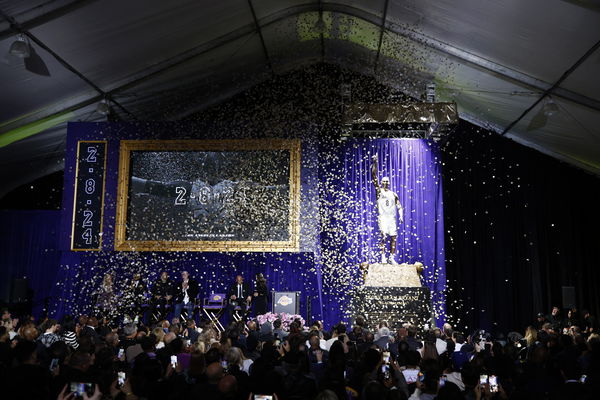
494,58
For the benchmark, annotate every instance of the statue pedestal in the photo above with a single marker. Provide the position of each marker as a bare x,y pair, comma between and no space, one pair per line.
396,305
393,293
388,275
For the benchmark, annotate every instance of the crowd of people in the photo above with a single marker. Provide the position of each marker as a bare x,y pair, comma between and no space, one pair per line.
89,358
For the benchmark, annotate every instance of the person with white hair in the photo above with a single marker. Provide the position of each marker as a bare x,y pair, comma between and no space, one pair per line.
387,205
383,338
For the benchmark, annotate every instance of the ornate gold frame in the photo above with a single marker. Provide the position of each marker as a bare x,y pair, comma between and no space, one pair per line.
127,146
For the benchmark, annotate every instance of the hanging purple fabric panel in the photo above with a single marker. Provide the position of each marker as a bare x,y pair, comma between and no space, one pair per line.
414,169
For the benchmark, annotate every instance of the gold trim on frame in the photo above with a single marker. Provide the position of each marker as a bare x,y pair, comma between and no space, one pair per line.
75,194
127,146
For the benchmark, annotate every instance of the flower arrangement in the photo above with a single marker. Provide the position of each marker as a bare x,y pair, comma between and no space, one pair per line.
286,319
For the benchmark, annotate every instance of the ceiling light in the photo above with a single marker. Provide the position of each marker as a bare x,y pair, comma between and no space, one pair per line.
20,47
103,107
550,108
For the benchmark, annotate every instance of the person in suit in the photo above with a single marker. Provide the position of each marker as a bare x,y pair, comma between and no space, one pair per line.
135,295
260,295
186,292
239,294
162,294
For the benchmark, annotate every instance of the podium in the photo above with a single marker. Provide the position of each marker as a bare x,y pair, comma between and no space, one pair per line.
286,302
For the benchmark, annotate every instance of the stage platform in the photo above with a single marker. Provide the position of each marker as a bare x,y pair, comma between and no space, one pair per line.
393,293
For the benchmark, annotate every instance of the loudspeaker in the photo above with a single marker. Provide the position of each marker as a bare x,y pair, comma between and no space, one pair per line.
568,297
20,290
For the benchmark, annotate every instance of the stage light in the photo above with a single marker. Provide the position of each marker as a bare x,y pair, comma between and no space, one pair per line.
550,108
103,107
20,47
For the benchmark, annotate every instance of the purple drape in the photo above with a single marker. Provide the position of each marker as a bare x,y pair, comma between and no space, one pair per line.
29,249
414,169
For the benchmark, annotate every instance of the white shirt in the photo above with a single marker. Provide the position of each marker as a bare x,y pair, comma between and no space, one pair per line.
329,342
440,346
186,298
246,365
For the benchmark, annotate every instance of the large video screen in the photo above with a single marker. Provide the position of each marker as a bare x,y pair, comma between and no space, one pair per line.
208,195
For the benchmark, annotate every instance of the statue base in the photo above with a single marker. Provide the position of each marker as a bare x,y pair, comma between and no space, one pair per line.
393,293
395,305
389,275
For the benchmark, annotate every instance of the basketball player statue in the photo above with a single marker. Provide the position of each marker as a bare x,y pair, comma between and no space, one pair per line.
387,204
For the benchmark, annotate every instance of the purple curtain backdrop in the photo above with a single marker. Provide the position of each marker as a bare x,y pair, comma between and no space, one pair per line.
414,169
29,249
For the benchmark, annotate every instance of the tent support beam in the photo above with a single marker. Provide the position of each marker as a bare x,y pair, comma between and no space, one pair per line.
16,27
262,39
37,20
560,80
382,31
199,50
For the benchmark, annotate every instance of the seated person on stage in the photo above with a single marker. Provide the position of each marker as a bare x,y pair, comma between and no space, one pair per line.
186,292
162,293
239,294
135,296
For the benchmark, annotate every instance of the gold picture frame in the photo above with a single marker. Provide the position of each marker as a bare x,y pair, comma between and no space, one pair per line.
127,146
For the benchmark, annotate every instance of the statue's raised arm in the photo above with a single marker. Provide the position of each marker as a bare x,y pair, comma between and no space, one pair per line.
374,173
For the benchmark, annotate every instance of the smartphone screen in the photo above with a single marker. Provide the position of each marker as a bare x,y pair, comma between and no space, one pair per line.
263,397
121,353
80,388
483,379
224,364
582,379
443,379
386,357
410,375
121,378
493,384
53,364
174,361
277,342
385,369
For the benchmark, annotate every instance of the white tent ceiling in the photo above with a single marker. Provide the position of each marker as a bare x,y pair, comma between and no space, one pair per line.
495,58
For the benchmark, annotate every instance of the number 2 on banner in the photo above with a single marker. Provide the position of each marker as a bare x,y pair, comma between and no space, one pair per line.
87,218
92,151
180,199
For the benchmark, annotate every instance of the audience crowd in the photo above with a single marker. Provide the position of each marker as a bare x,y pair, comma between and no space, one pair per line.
84,357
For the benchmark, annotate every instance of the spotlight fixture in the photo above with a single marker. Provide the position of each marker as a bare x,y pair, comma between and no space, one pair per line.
103,107
550,108
20,47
